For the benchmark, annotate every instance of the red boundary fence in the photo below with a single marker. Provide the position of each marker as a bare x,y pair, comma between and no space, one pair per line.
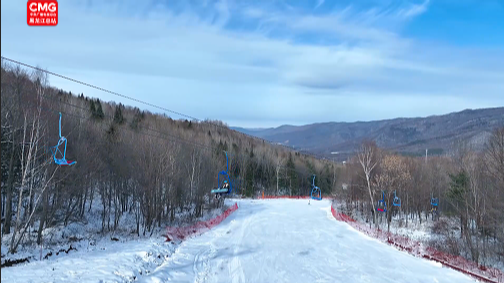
415,248
180,233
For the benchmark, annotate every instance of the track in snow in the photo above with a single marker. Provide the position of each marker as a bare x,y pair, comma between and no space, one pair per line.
291,241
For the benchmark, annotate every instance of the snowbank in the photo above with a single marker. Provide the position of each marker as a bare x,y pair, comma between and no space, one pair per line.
103,260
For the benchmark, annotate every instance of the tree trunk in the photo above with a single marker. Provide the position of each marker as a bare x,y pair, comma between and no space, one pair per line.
43,219
10,186
407,210
278,178
372,200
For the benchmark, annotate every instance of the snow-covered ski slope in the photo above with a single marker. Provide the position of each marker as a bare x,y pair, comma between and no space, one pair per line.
263,241
291,241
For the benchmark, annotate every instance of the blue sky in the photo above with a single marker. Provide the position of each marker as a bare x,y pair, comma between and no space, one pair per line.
267,63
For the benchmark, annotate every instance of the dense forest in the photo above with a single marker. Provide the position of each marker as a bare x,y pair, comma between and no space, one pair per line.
461,195
134,163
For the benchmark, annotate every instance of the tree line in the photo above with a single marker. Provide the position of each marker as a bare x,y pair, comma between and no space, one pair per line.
131,162
468,186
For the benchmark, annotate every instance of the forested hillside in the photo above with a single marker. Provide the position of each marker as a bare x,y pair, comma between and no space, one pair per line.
134,163
408,136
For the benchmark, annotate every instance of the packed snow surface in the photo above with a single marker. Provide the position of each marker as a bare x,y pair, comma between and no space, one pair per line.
263,241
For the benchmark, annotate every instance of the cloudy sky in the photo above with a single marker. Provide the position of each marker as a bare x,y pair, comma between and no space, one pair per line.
265,63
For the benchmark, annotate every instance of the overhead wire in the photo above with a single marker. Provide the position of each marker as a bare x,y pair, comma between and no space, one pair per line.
163,136
51,110
174,137
153,105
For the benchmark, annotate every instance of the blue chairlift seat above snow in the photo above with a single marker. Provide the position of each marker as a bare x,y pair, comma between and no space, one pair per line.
58,156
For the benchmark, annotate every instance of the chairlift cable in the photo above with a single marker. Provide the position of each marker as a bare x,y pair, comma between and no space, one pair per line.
150,104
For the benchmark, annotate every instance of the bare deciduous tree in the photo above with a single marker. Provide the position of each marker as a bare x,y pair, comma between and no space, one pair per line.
368,160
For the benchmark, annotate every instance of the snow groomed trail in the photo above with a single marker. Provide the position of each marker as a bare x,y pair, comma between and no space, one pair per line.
290,241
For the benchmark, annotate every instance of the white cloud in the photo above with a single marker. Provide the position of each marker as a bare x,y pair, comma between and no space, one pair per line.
186,60
414,9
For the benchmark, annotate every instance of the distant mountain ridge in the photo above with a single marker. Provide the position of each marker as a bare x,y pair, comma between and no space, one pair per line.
438,133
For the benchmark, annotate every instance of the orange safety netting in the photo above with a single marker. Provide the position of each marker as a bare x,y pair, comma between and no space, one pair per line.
180,233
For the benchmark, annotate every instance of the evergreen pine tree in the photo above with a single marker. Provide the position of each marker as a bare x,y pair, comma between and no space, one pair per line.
92,108
99,111
118,116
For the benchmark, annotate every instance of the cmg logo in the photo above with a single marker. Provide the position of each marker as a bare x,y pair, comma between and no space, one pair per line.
42,13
